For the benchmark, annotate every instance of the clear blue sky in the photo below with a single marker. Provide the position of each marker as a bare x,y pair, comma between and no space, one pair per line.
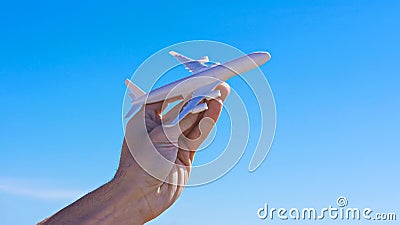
334,73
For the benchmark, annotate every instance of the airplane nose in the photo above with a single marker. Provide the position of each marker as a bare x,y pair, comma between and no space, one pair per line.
260,57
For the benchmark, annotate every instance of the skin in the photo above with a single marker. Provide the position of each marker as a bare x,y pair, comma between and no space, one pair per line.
134,196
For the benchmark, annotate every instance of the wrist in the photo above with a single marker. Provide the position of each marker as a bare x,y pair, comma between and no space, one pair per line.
109,204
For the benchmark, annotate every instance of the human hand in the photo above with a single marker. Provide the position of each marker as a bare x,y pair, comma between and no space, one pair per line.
134,196
145,136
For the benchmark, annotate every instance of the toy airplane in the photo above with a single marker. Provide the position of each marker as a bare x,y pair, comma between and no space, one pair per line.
196,87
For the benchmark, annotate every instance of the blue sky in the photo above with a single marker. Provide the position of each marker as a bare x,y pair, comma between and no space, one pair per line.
334,74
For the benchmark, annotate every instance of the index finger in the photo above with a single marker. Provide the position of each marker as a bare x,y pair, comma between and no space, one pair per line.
207,121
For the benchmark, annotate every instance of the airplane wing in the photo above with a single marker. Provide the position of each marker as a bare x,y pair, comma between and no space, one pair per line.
191,64
193,105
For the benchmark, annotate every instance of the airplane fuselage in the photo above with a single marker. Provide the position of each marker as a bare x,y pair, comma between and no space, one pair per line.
185,86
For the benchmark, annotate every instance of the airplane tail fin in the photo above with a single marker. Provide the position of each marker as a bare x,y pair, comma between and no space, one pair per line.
135,91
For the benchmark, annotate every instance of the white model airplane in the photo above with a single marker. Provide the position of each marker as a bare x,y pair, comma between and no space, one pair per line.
196,87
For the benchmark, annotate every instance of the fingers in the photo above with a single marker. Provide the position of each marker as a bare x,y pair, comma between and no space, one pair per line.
153,113
185,125
213,112
156,107
172,113
194,127
207,120
171,134
159,107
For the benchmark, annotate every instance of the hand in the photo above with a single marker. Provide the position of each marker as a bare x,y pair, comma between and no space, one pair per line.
134,196
178,145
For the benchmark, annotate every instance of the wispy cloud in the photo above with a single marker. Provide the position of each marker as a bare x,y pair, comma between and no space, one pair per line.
33,191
